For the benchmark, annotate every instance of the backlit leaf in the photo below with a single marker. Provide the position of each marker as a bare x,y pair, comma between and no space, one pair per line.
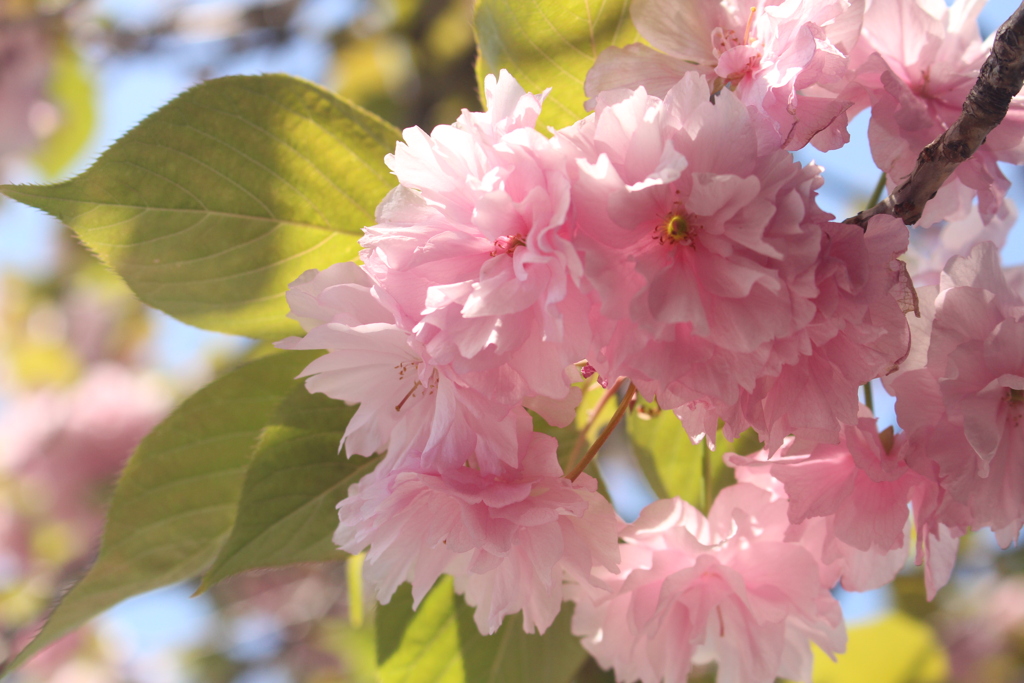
297,476
213,204
550,44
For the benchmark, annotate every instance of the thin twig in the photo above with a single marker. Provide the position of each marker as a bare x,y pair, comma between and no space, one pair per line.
609,428
1000,80
581,438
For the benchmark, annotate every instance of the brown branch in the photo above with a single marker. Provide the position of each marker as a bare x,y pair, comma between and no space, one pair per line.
1000,80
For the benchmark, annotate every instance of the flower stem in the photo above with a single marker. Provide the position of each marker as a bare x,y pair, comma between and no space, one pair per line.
876,196
609,428
868,398
580,440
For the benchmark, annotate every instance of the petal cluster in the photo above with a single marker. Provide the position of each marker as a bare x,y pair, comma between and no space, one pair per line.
786,60
722,289
509,539
960,396
726,588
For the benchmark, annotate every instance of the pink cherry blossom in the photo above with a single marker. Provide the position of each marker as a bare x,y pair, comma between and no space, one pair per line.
71,443
26,116
723,289
959,398
405,403
850,504
726,588
473,246
916,62
509,539
784,59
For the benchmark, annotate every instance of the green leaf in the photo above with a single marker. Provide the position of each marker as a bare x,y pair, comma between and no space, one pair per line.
591,672
512,656
440,643
212,205
674,465
896,649
73,91
550,44
175,503
297,476
420,646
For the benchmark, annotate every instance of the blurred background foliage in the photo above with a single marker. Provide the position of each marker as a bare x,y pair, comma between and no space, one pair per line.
84,373
72,328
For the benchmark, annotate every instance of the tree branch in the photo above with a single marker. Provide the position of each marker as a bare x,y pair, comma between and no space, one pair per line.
1000,80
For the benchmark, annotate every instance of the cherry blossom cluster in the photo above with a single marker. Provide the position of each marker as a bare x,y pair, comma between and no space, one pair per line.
669,241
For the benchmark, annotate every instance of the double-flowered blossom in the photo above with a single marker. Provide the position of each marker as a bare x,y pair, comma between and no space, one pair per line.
405,403
916,61
855,498
474,248
728,588
785,60
723,290
960,395
510,539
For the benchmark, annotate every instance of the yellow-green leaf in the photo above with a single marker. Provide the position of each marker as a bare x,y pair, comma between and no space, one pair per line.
440,643
896,649
297,476
73,91
550,44
211,206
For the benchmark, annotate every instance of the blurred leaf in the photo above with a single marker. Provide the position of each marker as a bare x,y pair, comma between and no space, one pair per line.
376,67
512,656
440,643
73,91
420,646
39,363
896,649
392,620
175,503
297,476
450,34
591,672
355,593
591,415
673,464
212,205
354,647
910,594
550,44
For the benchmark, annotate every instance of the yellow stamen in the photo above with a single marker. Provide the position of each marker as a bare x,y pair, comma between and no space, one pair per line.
750,25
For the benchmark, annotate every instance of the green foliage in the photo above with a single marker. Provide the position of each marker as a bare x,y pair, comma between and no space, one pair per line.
673,464
297,476
213,204
550,44
421,646
896,649
440,643
73,91
175,503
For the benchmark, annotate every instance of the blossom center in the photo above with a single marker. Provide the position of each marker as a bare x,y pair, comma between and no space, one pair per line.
418,388
678,229
507,244
1015,399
